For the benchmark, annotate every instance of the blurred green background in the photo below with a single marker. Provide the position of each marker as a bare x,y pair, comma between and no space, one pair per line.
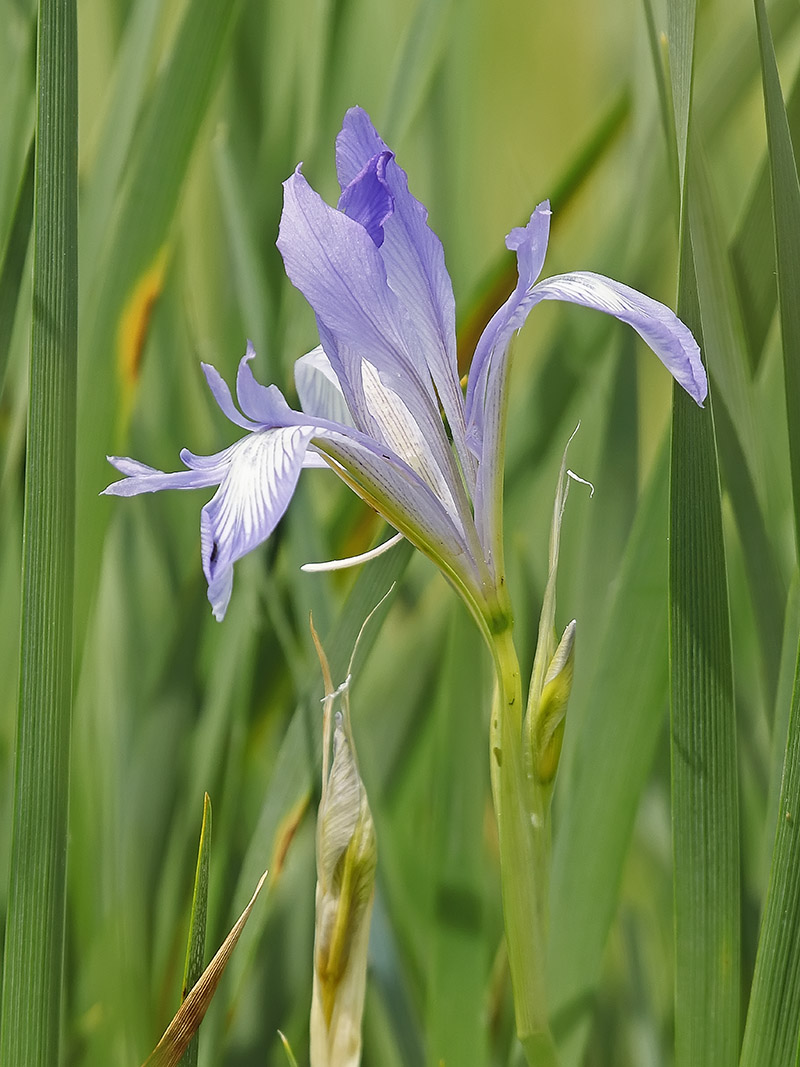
191,115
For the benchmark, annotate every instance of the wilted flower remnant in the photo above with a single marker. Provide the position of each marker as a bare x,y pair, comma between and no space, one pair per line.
346,861
372,394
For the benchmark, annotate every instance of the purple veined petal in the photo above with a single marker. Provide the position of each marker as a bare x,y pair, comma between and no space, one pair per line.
222,395
415,269
367,200
404,431
530,244
333,261
401,496
319,388
656,324
265,404
314,461
143,479
259,482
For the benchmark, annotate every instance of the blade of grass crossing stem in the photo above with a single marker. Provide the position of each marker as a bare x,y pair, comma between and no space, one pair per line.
34,944
786,217
13,261
681,21
773,1017
753,247
455,1001
196,947
176,1037
740,446
705,831
705,807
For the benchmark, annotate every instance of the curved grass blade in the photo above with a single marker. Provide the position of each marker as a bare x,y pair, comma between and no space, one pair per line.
34,943
13,260
196,948
786,218
773,1017
178,1034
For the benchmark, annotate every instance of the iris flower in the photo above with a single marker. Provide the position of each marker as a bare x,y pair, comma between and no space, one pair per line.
381,401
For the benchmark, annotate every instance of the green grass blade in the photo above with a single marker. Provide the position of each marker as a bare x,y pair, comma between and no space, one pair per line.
773,1017
34,945
620,728
741,449
786,217
703,739
13,261
196,947
681,26
705,808
459,965
753,248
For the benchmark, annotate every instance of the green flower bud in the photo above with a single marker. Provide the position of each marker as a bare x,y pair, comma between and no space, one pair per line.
550,715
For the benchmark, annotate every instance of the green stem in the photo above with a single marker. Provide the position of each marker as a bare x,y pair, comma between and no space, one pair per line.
524,830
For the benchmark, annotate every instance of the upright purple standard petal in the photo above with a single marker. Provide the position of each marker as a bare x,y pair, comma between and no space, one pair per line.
530,244
338,268
367,198
415,268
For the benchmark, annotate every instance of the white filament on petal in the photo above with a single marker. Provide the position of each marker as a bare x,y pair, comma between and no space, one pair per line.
353,561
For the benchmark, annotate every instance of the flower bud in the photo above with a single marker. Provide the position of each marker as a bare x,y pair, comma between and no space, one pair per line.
346,861
550,715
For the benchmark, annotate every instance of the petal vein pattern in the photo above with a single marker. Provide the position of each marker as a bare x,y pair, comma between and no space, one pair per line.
255,491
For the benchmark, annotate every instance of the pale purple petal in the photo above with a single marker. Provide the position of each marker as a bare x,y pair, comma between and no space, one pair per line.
336,265
415,269
258,484
530,244
367,200
222,395
659,327
319,389
143,479
265,404
399,494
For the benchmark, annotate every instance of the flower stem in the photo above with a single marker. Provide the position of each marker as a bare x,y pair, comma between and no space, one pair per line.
523,824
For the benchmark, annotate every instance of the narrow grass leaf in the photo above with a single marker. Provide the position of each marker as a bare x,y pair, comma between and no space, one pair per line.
753,248
786,219
196,947
681,25
457,941
740,446
705,824
13,260
619,729
34,941
705,806
773,1017
176,1037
